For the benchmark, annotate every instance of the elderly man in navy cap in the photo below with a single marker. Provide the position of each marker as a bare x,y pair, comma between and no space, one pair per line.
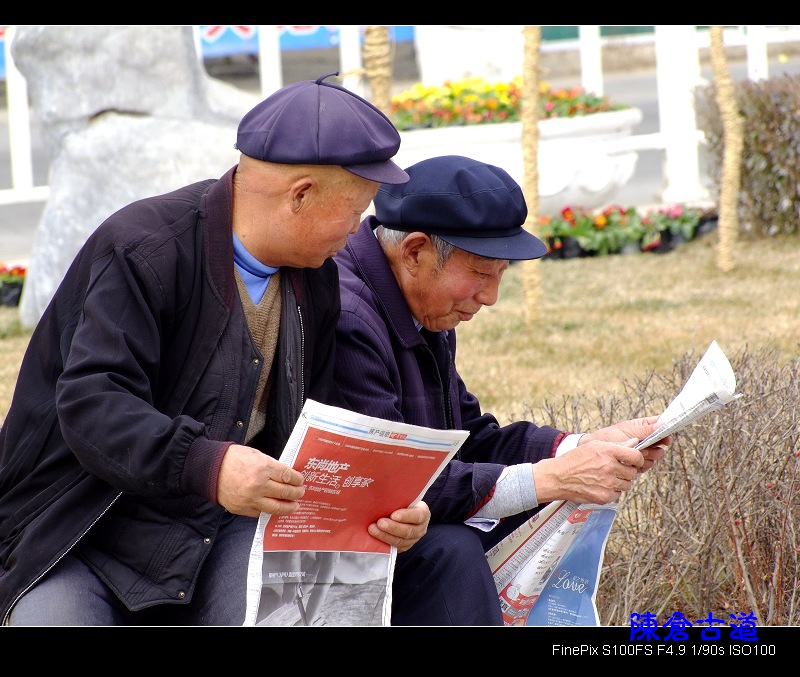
165,377
430,258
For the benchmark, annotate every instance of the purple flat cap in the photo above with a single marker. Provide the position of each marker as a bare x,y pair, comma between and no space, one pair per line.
319,123
472,205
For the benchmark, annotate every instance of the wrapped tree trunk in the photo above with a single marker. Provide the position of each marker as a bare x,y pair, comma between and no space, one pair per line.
377,58
732,125
532,275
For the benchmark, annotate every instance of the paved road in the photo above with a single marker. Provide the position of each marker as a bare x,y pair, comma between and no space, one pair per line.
638,88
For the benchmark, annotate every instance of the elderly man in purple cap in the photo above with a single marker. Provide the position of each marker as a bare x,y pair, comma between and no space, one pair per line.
166,375
430,258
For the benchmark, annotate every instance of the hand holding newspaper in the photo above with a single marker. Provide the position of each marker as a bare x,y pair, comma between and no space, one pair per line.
320,565
546,572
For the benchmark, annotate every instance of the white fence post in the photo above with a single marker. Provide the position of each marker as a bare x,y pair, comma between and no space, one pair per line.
677,74
350,60
19,135
270,65
757,55
591,52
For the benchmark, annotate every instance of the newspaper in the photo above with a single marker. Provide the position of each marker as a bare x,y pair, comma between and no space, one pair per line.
711,386
319,565
542,572
546,571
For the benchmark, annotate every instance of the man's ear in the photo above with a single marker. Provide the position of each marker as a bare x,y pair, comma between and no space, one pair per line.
300,192
417,252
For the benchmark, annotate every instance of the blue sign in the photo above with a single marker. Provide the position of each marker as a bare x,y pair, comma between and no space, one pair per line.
3,52
222,41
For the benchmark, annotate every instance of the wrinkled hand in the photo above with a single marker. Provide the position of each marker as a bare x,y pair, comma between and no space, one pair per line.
635,427
251,483
594,472
404,527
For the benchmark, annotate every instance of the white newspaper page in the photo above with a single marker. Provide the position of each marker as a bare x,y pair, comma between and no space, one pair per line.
319,565
547,571
711,386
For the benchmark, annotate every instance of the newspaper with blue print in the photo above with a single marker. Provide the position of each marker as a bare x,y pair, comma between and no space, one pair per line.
547,571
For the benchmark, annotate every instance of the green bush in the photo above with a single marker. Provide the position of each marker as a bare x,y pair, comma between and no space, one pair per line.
770,169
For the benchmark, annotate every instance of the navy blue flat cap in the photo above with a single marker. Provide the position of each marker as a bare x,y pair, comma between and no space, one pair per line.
472,205
319,123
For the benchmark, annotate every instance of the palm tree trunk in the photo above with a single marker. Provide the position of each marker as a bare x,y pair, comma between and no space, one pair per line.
377,58
532,275
732,125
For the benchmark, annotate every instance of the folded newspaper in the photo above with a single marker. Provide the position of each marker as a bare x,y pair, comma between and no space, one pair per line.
711,386
546,572
319,565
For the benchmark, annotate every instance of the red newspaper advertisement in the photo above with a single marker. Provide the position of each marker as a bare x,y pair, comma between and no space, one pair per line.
320,566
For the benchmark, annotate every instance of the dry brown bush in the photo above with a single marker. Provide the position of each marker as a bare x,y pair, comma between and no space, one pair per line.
715,526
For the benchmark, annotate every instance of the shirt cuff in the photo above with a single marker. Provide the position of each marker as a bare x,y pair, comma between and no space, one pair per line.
568,443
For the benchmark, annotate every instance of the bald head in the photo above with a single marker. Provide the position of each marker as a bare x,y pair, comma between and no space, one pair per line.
296,214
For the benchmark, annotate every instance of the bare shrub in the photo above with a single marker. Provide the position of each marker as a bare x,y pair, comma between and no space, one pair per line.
713,528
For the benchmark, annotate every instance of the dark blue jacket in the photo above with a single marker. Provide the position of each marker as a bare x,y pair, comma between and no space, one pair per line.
386,368
139,375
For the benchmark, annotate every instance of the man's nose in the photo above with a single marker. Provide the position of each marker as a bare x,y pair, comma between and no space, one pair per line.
488,295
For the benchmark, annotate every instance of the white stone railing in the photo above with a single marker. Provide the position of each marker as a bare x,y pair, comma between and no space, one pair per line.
677,73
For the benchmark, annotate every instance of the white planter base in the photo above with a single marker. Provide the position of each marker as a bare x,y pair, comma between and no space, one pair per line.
579,164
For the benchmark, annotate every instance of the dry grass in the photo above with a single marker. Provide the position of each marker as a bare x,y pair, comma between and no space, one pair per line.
601,320
604,319
13,342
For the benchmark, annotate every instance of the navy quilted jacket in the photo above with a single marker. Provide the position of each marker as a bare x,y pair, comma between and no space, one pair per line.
386,368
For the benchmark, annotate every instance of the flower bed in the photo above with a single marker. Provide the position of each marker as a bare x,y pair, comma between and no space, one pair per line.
462,118
476,101
616,229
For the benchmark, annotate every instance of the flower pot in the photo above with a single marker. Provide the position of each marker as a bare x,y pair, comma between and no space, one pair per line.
669,241
631,248
553,249
10,293
706,225
582,161
571,248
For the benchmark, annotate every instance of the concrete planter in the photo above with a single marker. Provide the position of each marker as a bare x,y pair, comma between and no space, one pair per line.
583,161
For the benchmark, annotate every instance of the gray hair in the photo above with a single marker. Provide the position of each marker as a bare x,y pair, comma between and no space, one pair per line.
388,237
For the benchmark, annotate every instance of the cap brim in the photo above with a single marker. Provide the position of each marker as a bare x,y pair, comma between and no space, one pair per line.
518,247
382,172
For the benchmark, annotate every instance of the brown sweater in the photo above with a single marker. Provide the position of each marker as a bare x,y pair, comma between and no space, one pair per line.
263,320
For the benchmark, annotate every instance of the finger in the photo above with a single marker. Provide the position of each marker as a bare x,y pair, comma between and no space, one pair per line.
629,457
285,475
273,506
399,541
653,454
415,515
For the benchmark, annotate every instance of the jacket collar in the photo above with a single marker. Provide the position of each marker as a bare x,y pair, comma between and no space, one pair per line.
217,210
373,267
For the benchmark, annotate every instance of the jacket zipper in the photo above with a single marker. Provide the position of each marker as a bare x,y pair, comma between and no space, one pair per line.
7,616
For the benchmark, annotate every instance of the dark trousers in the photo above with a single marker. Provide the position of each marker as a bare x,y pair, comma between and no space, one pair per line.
445,578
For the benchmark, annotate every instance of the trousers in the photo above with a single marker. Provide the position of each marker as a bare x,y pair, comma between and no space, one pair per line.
443,580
